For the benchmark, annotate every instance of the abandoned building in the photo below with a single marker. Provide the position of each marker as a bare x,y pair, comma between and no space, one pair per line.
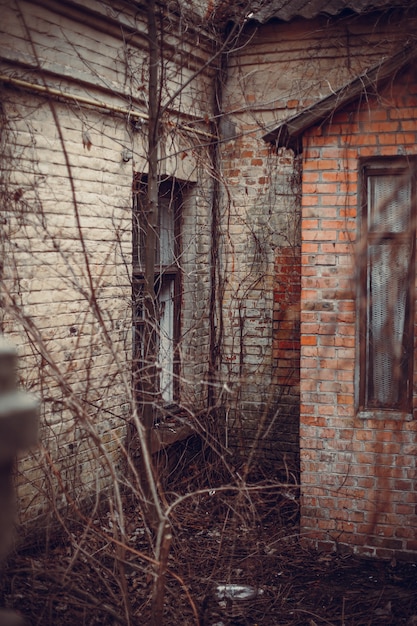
285,244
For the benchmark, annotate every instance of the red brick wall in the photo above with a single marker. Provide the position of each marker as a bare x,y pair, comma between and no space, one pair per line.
260,252
358,475
286,348
286,338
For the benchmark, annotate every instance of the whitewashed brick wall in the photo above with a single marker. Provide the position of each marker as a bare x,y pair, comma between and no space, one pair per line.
66,237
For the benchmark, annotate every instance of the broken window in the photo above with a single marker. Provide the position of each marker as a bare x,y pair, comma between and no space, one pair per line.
167,278
386,303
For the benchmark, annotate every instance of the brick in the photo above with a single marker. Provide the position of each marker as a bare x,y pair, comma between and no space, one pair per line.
308,340
368,115
309,188
310,224
326,524
362,140
402,113
309,248
409,125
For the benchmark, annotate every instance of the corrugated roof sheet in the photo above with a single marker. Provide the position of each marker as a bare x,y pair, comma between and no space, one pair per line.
289,9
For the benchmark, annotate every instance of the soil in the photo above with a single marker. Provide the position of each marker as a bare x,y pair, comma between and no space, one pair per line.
226,542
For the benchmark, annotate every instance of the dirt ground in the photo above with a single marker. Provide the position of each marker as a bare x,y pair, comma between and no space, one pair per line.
226,543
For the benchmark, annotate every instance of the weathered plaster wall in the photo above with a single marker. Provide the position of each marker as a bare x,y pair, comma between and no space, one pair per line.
67,225
358,474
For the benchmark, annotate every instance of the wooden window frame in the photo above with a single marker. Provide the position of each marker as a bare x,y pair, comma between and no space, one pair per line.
367,396
164,273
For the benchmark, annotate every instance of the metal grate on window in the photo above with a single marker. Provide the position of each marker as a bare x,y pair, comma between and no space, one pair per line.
387,324
389,203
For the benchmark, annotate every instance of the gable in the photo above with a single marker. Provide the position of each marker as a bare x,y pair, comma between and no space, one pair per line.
288,134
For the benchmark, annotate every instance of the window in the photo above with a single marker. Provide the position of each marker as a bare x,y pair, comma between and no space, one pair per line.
386,303
167,283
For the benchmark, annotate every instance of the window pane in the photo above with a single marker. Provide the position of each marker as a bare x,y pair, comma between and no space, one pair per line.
388,290
166,232
139,228
165,237
389,204
166,340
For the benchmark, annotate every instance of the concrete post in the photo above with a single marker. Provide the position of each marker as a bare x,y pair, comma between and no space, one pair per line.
19,423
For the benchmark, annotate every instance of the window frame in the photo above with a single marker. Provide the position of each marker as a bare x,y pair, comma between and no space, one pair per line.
405,169
165,274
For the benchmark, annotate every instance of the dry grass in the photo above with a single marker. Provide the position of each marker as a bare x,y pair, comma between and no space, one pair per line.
221,535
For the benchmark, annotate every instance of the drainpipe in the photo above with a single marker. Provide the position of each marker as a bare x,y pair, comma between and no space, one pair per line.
216,282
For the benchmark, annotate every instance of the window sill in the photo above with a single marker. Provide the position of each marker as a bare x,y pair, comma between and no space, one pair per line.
168,433
381,414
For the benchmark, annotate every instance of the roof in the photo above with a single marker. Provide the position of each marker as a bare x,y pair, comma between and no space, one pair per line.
288,134
289,9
